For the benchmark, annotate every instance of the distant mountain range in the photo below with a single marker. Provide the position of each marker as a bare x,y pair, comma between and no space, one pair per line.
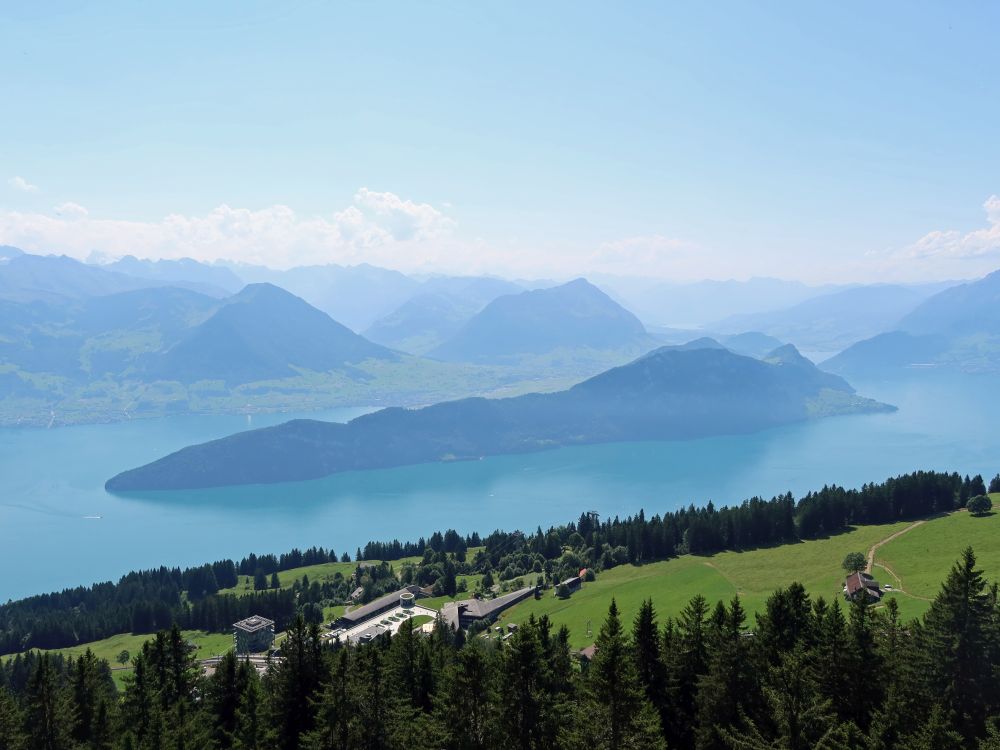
668,394
171,334
437,312
834,321
264,333
698,304
576,315
958,328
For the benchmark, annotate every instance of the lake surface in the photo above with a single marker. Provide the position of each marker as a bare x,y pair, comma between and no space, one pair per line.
58,527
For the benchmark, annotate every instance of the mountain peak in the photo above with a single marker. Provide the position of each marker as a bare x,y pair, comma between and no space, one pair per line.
574,315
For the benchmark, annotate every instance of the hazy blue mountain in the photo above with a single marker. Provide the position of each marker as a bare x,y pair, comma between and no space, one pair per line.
957,328
751,343
962,310
703,342
833,321
28,278
57,278
667,304
114,335
422,322
356,296
478,290
166,333
575,315
437,312
264,333
666,394
216,280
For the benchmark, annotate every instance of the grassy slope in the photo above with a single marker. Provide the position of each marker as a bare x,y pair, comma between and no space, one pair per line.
922,557
672,583
209,644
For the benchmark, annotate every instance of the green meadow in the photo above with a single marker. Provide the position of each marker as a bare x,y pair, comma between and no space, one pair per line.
752,574
921,558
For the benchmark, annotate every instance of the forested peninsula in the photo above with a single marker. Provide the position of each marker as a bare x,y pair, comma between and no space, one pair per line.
673,393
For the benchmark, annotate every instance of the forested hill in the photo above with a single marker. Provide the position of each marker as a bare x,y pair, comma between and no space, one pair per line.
667,394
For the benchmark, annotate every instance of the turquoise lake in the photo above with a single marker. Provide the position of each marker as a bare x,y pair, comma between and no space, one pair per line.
59,528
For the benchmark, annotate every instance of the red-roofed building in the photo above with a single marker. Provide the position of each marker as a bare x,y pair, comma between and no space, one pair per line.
858,582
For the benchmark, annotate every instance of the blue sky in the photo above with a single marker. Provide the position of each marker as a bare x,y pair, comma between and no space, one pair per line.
821,141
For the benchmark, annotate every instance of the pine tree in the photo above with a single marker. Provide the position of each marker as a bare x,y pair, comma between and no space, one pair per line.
11,722
89,694
466,701
937,733
223,699
685,663
862,664
647,653
296,683
828,659
614,711
370,724
958,647
49,713
334,708
249,731
729,689
525,709
803,719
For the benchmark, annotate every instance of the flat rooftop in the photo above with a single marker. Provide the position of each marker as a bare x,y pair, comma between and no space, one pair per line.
253,623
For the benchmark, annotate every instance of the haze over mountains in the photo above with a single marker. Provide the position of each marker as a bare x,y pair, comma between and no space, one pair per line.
573,315
834,321
958,328
85,342
670,393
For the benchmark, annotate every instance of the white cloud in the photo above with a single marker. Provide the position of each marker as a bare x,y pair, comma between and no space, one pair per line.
952,244
378,227
19,183
652,255
71,210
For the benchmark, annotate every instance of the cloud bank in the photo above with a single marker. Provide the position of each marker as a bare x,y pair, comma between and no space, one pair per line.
955,245
378,227
945,253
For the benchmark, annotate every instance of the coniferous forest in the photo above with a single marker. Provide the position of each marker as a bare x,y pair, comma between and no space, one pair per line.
807,674
803,673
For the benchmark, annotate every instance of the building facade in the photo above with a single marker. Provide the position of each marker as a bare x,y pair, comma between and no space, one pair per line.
253,635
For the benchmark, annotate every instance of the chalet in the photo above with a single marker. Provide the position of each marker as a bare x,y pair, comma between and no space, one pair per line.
859,582
253,635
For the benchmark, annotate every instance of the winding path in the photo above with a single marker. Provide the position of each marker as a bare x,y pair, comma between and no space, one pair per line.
875,547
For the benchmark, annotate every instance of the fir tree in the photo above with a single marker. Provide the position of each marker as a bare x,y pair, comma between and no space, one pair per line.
333,708
466,701
729,688
49,713
11,722
614,711
958,648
